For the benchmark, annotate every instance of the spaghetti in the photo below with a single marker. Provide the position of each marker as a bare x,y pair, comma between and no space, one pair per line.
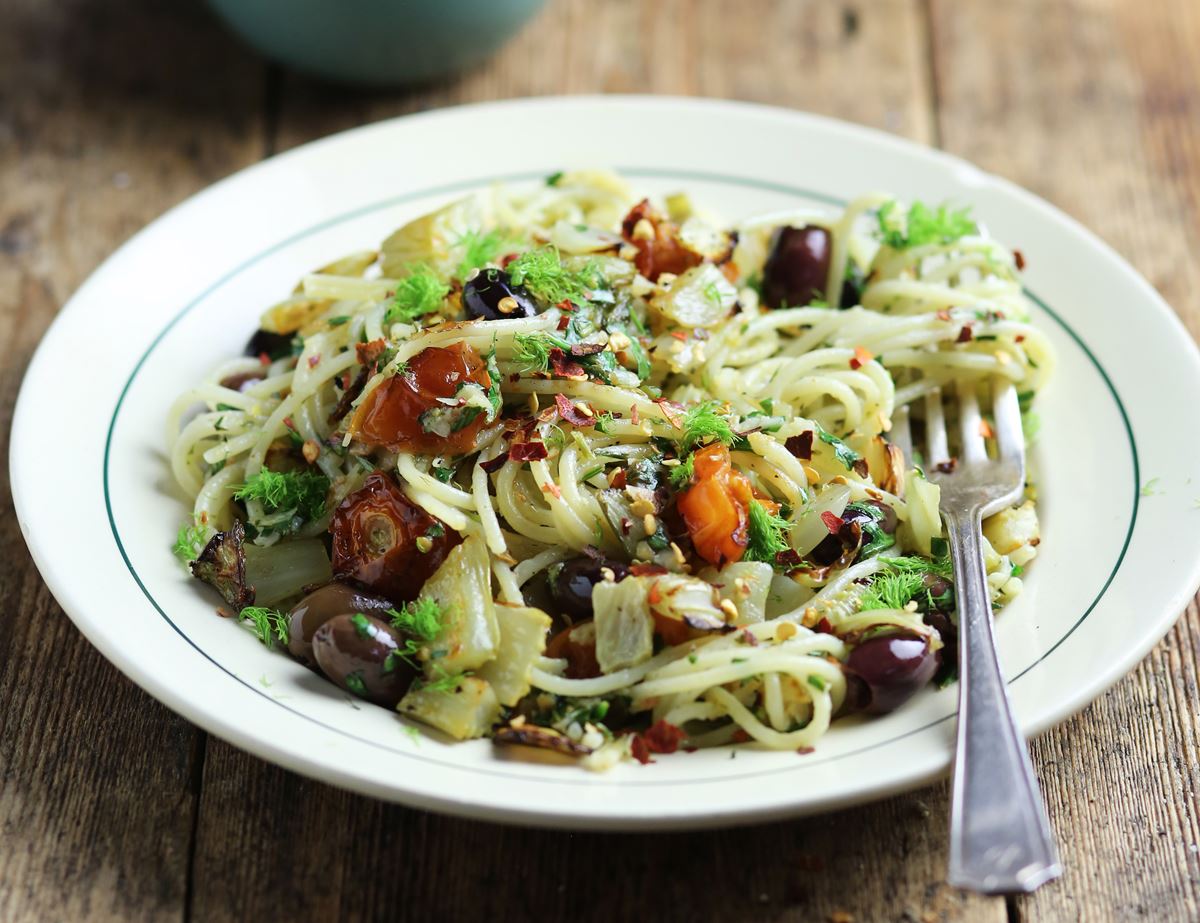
580,471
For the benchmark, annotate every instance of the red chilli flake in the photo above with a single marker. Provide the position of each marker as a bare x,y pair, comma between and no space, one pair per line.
289,423
805,751
740,736
506,259
639,750
618,479
647,570
634,418
569,412
947,467
564,367
663,737
563,323
832,522
586,349
749,638
944,315
861,357
800,446
314,360
551,488
965,335
264,358
527,451
1019,259
824,626
491,467
789,558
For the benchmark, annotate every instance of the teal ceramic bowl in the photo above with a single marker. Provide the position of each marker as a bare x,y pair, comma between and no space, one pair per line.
376,42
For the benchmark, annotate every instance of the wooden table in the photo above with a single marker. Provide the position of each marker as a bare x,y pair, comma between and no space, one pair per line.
112,807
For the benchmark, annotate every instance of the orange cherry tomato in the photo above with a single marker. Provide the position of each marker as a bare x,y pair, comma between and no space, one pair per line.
375,533
716,507
391,414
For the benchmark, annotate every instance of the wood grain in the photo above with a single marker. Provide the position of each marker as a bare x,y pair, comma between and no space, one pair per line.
1094,105
113,808
103,125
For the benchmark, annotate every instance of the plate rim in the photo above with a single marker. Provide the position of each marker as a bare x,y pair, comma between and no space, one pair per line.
256,744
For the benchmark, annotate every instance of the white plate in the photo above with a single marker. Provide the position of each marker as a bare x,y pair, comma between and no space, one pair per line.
98,509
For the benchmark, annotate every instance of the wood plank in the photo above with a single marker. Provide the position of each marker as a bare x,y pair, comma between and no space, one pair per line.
1094,106
103,125
863,63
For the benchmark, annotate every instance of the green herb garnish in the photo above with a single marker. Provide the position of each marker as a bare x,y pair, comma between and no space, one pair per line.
302,491
766,533
846,455
189,542
681,475
420,292
542,272
703,424
922,225
267,624
479,250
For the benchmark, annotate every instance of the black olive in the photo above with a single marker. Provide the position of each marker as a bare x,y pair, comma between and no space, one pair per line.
318,607
572,585
889,669
275,345
797,269
862,512
354,651
938,595
852,287
492,295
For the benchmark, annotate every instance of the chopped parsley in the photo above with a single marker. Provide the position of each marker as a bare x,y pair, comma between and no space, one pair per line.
189,542
603,423
703,424
302,491
420,292
765,534
922,225
875,539
554,178
354,682
846,455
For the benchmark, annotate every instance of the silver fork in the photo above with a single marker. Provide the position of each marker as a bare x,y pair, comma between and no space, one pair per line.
1000,837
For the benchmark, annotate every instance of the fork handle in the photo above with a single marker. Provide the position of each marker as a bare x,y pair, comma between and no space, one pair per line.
1000,837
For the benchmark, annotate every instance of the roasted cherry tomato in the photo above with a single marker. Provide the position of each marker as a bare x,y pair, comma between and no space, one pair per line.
391,415
578,645
378,537
660,252
716,507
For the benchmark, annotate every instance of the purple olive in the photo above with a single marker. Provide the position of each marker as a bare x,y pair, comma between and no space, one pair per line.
889,670
797,269
318,607
572,585
492,295
355,651
862,512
